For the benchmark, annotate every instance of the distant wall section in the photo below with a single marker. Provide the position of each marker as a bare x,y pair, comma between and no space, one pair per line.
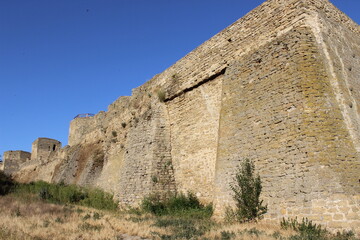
13,159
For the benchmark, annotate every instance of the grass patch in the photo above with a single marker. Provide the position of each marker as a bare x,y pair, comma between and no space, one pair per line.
307,230
66,194
183,216
182,228
90,227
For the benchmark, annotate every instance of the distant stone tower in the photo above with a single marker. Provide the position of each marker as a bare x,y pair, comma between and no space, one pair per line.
13,159
42,148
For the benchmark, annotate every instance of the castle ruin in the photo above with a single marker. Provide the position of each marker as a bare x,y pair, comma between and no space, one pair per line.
43,149
280,86
13,159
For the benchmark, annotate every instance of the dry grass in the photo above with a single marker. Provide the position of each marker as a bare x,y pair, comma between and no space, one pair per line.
259,231
32,219
38,220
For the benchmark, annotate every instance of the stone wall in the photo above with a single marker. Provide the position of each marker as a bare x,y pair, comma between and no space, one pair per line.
42,148
279,86
194,119
294,131
13,160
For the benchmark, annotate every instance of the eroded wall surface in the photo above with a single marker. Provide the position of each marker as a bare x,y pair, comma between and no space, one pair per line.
13,160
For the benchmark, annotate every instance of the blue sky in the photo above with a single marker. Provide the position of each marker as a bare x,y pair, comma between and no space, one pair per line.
59,58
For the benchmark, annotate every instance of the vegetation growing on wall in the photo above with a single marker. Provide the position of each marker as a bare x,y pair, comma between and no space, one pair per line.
161,95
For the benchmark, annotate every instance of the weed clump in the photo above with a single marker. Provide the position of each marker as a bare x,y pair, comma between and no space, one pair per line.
161,95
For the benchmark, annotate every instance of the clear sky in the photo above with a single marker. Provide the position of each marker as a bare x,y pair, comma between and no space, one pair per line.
59,58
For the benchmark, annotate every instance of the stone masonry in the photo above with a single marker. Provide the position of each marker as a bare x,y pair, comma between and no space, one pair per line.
13,159
280,86
42,148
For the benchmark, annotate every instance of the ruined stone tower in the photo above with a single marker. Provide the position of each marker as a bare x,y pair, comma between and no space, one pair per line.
280,86
42,148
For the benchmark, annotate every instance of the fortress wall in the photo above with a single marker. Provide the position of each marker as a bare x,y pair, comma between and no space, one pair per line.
271,19
138,159
194,120
43,148
13,160
342,54
261,120
136,175
280,86
85,130
294,131
339,44
134,136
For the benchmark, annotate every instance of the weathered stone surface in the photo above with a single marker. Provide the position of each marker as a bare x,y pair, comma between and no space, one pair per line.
13,160
279,86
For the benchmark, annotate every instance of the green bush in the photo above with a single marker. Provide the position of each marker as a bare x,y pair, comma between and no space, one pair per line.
99,199
68,194
247,189
153,204
177,205
6,185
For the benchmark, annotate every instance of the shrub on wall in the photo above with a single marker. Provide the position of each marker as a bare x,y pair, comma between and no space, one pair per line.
161,95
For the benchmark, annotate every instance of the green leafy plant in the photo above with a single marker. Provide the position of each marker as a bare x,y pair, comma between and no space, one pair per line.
68,194
247,189
177,205
154,179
